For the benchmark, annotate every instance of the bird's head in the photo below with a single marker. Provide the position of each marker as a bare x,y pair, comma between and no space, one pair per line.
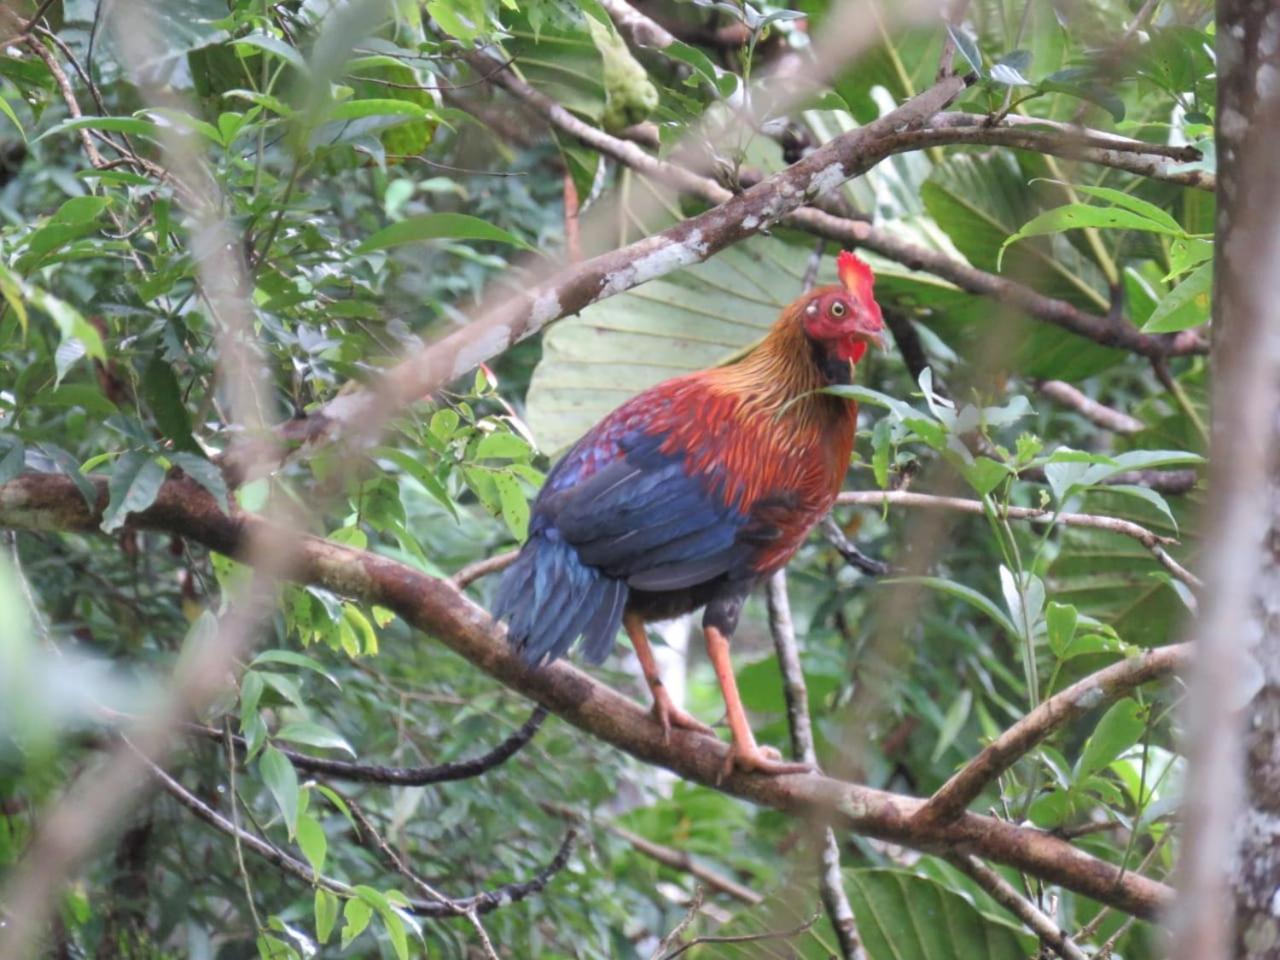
843,320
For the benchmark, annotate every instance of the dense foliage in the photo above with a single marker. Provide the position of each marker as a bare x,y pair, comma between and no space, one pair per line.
377,185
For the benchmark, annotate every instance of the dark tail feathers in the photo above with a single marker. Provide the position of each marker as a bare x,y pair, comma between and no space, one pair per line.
550,598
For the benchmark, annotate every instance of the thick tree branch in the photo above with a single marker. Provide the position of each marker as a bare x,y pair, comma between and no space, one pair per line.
582,284
1153,542
1095,690
52,502
1107,331
404,776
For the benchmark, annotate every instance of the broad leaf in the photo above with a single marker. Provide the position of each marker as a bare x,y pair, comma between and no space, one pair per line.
133,487
437,226
1186,306
905,917
282,780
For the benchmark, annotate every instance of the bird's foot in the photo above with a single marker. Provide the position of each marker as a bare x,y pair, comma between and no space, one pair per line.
669,715
756,759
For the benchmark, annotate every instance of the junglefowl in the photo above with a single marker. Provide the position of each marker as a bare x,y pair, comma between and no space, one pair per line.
690,494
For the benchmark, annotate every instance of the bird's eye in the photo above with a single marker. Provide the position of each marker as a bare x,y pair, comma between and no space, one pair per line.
838,310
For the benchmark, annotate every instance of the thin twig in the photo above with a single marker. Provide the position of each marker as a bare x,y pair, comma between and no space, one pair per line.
235,822
663,854
847,549
430,892
695,905
1152,541
482,568
405,776
1004,894
481,903
746,937
830,880
1100,414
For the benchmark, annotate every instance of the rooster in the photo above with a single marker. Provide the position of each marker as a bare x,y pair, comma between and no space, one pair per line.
691,493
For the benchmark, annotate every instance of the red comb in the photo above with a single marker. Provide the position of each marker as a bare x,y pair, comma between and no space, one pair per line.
855,273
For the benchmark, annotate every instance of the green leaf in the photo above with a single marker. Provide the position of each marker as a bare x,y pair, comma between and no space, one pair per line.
312,841
294,659
967,45
163,394
251,687
985,474
1050,810
275,46
356,916
358,622
968,595
1009,70
313,735
515,506
1118,730
436,226
1185,254
979,200
326,908
1186,305
906,917
1077,216
376,107
1150,496
12,459
205,473
282,780
80,210
501,446
134,126
415,468
395,932
952,723
1060,621
1143,208
135,482
7,109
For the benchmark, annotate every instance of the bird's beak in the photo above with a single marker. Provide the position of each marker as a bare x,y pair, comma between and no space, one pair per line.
876,339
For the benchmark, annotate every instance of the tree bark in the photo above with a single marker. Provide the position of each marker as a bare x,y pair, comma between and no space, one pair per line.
1234,709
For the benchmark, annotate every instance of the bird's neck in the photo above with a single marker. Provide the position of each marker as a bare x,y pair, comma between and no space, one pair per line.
786,374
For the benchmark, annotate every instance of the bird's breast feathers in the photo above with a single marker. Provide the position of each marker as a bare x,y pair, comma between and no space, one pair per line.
777,467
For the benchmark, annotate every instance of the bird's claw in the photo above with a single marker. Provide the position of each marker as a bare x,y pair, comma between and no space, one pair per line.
669,715
756,759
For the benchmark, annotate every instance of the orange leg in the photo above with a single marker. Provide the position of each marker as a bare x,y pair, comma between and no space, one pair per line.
664,711
745,753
